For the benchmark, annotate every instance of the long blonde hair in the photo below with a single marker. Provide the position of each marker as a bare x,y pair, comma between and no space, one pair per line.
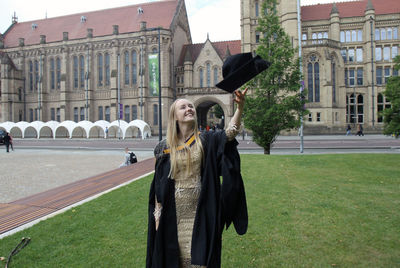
173,141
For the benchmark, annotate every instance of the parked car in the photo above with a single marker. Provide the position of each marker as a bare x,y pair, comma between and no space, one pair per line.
2,135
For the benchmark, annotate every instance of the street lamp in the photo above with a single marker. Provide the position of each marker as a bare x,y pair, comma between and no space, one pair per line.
372,71
301,72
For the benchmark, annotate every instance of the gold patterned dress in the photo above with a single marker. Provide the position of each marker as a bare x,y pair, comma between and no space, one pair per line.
187,193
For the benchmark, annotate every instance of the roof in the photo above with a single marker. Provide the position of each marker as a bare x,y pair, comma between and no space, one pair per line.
349,9
193,50
160,13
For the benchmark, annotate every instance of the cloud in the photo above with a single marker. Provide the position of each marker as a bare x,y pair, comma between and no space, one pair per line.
221,19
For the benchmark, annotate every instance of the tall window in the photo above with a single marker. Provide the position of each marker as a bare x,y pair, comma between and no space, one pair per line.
354,108
36,75
378,53
383,104
126,67
346,77
82,117
100,113
134,112
342,37
348,36
107,68
386,53
58,72
215,76
387,74
127,112
351,55
201,77
155,114
30,75
76,115
257,8
394,52
82,71
30,115
313,80
52,75
52,114
134,67
360,76
379,75
75,71
333,82
208,75
359,54
359,35
107,113
383,34
351,77
58,114
100,70
344,55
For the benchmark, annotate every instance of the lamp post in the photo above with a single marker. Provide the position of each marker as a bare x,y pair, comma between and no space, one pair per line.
159,87
372,71
301,72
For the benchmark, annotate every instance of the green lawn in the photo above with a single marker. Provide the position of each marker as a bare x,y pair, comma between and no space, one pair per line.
304,211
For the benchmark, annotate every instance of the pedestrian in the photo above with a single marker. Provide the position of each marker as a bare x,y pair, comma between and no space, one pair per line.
360,130
129,158
7,141
106,132
188,207
348,130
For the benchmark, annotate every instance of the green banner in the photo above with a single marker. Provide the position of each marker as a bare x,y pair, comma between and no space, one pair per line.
153,75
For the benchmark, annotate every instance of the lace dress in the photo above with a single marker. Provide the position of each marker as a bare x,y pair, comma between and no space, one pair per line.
187,193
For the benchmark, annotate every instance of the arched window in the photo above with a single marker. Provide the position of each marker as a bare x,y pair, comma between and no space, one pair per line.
208,75
215,76
82,71
100,70
126,67
52,74
134,67
313,80
30,75
75,60
58,72
107,68
354,108
201,77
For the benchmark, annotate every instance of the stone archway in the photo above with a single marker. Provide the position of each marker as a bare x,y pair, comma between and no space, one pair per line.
205,103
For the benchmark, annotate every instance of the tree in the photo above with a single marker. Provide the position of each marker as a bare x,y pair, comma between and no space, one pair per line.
218,111
274,103
391,116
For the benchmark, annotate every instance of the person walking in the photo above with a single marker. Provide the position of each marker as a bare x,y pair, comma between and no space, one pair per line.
348,130
7,140
360,130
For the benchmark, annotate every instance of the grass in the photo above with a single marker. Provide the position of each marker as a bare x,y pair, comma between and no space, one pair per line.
304,211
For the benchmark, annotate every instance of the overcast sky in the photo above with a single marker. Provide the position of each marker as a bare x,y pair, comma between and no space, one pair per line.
219,18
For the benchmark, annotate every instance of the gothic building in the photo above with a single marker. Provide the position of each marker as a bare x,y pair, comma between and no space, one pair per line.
94,65
347,54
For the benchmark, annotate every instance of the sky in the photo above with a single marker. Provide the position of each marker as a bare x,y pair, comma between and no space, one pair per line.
220,19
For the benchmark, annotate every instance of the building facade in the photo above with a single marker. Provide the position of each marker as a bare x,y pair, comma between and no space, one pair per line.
94,65
347,57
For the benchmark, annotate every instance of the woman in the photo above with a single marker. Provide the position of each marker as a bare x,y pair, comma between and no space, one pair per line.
188,207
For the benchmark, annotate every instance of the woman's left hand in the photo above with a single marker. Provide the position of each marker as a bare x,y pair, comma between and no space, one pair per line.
239,98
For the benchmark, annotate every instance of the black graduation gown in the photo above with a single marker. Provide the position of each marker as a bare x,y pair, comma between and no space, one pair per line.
218,206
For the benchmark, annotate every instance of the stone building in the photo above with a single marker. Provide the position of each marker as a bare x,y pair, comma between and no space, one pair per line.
347,55
82,66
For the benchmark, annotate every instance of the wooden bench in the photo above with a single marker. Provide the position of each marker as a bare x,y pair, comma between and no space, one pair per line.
25,210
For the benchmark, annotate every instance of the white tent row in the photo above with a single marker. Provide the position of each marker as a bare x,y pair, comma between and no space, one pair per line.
82,129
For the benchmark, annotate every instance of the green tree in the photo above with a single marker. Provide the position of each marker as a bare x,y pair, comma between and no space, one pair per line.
274,103
391,116
218,111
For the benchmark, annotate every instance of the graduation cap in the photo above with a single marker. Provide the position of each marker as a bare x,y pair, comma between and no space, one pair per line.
240,68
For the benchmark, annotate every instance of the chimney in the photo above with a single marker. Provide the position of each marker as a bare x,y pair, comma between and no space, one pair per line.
143,25
65,36
115,29
89,33
22,42
42,39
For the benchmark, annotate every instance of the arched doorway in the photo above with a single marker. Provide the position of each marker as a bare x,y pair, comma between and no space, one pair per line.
211,113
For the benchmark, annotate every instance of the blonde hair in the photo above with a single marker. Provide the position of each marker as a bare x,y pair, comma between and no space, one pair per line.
173,141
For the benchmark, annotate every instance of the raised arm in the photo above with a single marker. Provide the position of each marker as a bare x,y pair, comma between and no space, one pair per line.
234,124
